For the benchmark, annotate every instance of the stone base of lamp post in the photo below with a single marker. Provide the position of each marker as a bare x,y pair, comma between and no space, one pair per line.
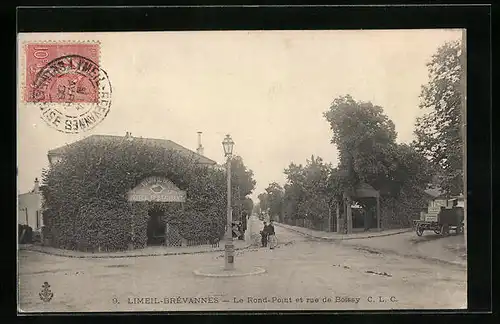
218,271
229,256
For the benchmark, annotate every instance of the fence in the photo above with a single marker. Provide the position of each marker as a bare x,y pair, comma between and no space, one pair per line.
323,225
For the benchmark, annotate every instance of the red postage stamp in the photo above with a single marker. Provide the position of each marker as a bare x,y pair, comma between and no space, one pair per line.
61,72
66,82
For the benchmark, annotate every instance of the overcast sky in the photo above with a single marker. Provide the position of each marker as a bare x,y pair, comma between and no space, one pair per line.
268,89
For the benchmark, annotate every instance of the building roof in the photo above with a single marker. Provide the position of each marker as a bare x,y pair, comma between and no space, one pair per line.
364,190
167,144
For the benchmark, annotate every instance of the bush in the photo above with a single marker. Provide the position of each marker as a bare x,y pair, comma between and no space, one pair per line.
194,225
37,237
27,238
400,213
85,195
46,235
101,225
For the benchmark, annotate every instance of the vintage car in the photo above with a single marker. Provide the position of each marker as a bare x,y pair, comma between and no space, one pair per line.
441,218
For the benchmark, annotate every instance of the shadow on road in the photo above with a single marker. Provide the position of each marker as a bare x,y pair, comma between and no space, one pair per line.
432,237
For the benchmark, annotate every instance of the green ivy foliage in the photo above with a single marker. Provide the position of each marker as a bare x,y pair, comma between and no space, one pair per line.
400,212
101,225
85,195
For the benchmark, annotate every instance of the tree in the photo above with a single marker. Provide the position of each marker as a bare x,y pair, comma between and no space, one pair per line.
242,184
248,205
366,140
275,200
263,202
294,194
308,191
438,131
317,197
412,171
364,136
241,177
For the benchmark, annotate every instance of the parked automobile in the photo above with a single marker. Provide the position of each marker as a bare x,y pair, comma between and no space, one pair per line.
441,219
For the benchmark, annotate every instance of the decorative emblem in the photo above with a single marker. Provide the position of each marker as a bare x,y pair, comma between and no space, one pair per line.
46,295
157,189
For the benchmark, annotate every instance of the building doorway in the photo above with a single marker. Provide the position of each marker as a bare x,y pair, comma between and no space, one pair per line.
364,217
156,228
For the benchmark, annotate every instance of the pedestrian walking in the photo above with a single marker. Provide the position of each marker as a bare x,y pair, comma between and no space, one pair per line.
263,234
271,235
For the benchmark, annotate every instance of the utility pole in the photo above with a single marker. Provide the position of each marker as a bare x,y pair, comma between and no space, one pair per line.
229,248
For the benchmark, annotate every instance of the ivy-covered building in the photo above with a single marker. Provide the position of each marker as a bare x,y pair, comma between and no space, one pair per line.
123,192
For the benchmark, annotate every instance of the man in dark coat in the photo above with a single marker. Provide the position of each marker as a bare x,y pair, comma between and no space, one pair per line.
263,234
243,224
270,233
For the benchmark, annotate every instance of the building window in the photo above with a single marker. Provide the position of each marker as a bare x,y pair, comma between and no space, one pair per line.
37,219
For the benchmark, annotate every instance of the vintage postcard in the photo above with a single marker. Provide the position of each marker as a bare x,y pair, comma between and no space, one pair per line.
241,170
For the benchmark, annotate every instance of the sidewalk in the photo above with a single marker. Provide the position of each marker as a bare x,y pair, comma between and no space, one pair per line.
333,236
148,251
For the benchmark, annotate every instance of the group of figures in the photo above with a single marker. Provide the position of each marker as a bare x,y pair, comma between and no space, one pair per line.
239,227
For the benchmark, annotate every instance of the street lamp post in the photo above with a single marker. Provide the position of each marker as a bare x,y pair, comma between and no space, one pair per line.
228,144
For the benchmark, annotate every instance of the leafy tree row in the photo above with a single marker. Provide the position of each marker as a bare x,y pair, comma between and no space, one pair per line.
368,153
366,140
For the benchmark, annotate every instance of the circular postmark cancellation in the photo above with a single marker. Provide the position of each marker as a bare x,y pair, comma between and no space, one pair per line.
73,93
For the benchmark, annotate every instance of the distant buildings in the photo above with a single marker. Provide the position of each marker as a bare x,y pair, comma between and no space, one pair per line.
30,208
435,197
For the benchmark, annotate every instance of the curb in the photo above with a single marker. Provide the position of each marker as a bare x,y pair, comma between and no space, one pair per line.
343,238
256,271
126,256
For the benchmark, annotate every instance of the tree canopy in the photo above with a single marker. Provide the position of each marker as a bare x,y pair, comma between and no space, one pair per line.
439,131
242,185
366,140
275,199
241,177
263,202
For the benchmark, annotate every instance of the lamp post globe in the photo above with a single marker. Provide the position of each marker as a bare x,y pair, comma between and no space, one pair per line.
228,144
